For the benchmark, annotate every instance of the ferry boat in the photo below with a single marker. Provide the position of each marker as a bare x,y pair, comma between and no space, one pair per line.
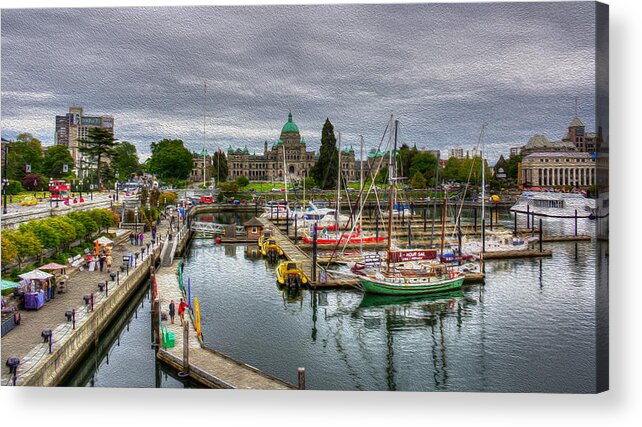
555,204
291,273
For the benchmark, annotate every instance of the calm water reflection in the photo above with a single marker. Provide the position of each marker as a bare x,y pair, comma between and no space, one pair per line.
530,328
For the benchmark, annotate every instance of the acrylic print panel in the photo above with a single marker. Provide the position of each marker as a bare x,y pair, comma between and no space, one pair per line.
331,197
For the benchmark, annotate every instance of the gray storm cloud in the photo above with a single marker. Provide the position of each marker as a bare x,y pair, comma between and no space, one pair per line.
442,69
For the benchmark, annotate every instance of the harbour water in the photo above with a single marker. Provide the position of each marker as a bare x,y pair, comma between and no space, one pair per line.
529,328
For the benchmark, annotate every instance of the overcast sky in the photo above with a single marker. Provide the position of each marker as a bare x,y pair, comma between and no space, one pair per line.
442,69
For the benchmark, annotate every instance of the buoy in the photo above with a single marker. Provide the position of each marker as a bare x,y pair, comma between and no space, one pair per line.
495,198
218,240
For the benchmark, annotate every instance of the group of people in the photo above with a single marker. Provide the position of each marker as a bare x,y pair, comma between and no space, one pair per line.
182,306
102,260
136,239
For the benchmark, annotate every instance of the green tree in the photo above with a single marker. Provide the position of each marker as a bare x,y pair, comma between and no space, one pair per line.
513,161
26,244
65,230
53,164
99,146
85,219
9,251
43,230
125,160
418,180
229,188
219,169
326,168
424,163
170,159
26,150
405,159
242,181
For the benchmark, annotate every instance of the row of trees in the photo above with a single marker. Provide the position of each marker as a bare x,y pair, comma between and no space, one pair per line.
32,238
111,157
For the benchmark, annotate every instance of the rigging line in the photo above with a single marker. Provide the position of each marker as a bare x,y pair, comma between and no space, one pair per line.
470,172
360,192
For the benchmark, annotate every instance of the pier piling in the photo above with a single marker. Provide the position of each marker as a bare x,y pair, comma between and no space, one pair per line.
185,372
301,378
540,233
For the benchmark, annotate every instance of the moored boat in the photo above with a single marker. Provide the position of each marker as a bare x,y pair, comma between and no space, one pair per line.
290,273
271,248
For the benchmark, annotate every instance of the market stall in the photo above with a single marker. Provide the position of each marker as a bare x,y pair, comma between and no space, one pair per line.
37,285
103,243
59,277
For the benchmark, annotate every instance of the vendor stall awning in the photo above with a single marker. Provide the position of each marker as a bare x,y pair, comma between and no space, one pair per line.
52,266
103,241
35,275
8,284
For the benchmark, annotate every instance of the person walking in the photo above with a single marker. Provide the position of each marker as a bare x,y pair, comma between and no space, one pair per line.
141,236
172,311
101,261
131,238
109,260
182,305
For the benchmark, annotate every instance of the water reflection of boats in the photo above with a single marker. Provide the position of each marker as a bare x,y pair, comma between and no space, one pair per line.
291,294
290,273
375,300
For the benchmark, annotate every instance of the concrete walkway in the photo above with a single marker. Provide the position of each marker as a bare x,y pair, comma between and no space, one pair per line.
25,341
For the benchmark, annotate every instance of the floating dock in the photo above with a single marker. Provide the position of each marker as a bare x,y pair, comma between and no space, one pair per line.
206,366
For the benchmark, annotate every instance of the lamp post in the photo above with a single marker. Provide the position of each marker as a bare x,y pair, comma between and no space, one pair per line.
136,221
5,181
117,182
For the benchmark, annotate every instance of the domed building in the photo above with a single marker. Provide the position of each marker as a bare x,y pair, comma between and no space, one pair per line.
287,156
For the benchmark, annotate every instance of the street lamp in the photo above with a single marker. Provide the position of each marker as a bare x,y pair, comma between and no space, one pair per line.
136,221
5,181
117,186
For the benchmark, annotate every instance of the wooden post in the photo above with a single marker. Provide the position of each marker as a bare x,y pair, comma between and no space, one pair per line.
314,253
475,221
515,225
533,222
185,371
540,234
490,211
409,235
403,214
377,229
424,220
295,228
528,216
106,288
301,378
575,222
155,323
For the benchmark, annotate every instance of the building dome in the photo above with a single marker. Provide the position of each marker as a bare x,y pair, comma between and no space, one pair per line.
290,126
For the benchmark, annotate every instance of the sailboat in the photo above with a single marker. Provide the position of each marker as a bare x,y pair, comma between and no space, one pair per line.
388,279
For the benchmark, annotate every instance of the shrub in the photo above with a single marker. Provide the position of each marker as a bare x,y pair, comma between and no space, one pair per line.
46,233
9,251
26,244
14,187
85,219
242,181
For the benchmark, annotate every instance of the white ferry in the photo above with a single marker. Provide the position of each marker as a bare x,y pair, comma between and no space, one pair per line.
555,204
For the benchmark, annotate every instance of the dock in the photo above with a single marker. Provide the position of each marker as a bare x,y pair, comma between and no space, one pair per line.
206,366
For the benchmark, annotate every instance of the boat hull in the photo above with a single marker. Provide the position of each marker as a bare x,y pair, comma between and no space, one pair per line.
380,287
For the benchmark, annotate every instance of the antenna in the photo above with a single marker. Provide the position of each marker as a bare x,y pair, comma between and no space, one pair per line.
576,106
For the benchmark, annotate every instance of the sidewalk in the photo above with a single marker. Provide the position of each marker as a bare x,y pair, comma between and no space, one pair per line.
20,341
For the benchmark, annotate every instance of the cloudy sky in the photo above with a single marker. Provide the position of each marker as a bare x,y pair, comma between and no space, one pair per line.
442,69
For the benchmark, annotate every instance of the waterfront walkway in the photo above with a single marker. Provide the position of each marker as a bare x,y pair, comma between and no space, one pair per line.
25,341
206,366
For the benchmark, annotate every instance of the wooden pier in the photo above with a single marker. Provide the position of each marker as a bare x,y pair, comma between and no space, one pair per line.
206,366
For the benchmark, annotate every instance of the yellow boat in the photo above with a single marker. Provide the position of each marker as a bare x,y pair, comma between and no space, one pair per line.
267,233
291,273
271,248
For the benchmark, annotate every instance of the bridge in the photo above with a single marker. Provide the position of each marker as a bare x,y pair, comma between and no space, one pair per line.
214,228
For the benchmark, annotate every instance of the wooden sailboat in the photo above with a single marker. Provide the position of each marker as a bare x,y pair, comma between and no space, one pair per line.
390,280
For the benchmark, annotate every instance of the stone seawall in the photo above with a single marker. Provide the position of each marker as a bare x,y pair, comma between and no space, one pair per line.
53,368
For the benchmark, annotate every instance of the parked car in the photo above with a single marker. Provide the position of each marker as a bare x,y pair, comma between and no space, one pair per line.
275,190
28,201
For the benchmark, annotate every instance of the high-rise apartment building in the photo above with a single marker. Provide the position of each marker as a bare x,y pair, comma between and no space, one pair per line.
74,126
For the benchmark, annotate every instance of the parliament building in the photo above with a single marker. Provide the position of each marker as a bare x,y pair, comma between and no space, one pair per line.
287,156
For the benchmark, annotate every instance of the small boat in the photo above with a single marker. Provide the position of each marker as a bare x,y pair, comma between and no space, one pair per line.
271,248
267,233
555,204
290,273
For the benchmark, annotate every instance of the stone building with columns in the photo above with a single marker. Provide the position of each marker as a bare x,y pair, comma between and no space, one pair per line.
286,157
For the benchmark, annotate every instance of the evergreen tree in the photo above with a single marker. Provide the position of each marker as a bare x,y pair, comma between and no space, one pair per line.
57,156
325,169
418,180
125,160
99,145
170,159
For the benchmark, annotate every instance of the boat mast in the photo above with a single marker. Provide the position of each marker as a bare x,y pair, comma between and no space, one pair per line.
361,195
336,213
391,192
204,98
443,224
285,178
483,191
